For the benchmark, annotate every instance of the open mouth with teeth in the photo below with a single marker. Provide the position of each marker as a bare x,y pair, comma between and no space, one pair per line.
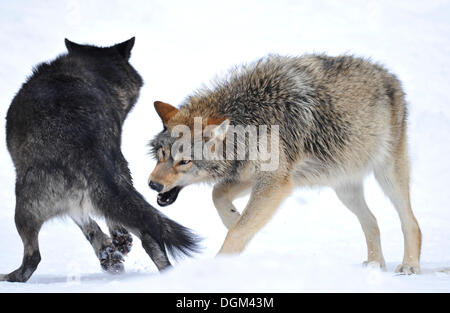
168,197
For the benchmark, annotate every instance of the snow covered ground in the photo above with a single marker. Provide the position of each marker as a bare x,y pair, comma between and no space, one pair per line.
313,243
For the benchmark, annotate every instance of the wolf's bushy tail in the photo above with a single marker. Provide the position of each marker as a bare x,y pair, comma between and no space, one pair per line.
177,239
123,204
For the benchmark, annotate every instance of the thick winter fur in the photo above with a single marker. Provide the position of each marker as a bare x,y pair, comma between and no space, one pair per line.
339,119
64,135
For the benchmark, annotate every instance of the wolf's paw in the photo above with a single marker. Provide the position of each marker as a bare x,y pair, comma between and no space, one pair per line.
14,277
375,265
407,269
111,260
122,240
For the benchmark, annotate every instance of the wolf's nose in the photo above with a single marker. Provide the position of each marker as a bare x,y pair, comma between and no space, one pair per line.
155,186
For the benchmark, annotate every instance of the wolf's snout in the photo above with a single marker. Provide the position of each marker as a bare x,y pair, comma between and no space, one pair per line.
155,186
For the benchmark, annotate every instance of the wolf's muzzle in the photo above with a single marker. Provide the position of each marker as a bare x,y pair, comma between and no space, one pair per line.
155,186
168,197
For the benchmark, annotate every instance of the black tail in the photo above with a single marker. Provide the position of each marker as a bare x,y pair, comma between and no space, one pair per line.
177,239
126,206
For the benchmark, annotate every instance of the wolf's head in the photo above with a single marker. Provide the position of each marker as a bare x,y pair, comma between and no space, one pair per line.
179,162
112,65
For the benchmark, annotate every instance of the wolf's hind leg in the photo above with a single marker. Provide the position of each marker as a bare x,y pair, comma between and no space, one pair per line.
121,237
156,252
393,176
28,223
125,206
265,198
352,196
223,196
111,260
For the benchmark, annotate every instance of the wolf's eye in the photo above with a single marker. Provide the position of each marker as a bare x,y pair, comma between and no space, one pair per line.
161,154
184,162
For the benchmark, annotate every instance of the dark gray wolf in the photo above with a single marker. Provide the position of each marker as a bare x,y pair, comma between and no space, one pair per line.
64,133
338,119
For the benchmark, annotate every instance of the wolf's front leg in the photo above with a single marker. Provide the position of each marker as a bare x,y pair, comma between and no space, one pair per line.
265,198
111,260
223,196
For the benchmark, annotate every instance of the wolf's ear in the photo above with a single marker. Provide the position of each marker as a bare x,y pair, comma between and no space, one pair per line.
125,47
221,129
71,46
165,111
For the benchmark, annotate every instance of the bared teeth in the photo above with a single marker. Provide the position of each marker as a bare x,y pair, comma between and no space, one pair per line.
168,197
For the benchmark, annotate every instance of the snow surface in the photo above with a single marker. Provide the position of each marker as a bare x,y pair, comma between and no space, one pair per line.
313,243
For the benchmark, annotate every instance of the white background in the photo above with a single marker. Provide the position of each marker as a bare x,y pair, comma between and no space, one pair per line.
313,243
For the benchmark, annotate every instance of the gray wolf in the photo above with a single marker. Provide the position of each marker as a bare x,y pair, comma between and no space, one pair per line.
64,134
339,119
